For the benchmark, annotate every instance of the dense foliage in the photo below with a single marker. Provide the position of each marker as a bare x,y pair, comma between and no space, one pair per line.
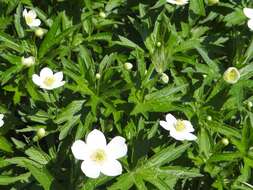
91,41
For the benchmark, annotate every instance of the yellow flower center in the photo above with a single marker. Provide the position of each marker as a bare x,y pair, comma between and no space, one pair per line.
180,126
48,81
98,156
28,19
232,75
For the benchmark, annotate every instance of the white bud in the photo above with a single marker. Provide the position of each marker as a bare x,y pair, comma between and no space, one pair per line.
28,61
98,76
212,2
102,14
128,66
231,75
158,44
225,141
41,133
209,118
204,76
165,78
39,32
249,104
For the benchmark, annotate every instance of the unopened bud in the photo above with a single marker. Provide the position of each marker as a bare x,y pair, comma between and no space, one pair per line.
39,32
225,141
102,14
213,2
28,61
128,66
165,78
249,104
158,44
41,133
98,76
209,118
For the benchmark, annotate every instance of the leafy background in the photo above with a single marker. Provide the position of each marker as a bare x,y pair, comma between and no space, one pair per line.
193,45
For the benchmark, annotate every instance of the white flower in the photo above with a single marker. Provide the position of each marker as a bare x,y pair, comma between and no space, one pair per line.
1,120
231,75
98,156
47,80
28,61
248,12
30,18
179,129
178,2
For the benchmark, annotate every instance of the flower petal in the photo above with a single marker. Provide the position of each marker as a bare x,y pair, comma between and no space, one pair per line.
58,76
96,139
191,137
116,148
46,72
80,150
25,12
32,14
35,23
248,12
250,24
58,84
90,169
166,125
188,125
170,118
36,79
1,123
182,135
1,116
111,168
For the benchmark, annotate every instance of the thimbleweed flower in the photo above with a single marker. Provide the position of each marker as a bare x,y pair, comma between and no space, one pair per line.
128,66
1,120
179,129
231,75
98,156
178,2
48,80
248,12
30,18
28,61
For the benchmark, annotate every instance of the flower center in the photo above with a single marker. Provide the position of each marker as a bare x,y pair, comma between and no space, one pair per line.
28,19
48,81
98,156
232,75
180,126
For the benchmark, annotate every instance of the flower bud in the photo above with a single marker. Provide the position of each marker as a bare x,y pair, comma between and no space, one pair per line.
128,66
225,141
39,32
165,78
158,44
102,14
209,118
213,2
249,104
231,75
98,76
28,61
41,133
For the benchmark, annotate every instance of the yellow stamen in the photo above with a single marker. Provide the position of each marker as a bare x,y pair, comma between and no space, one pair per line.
48,81
180,126
98,156
28,19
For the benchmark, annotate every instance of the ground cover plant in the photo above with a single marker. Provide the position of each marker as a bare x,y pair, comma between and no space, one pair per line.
124,94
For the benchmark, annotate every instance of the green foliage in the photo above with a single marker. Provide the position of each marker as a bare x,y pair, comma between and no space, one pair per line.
192,44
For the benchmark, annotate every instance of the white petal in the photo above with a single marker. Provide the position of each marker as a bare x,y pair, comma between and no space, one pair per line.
166,125
182,2
250,24
90,169
170,118
1,123
111,168
46,72
32,14
1,116
58,84
96,139
25,12
58,76
116,148
35,23
80,150
182,135
188,125
36,79
248,12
